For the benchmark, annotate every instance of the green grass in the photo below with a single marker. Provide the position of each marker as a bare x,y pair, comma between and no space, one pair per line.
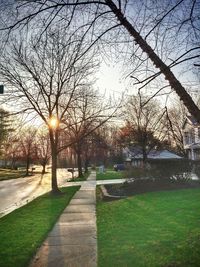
80,179
23,230
110,174
6,174
150,230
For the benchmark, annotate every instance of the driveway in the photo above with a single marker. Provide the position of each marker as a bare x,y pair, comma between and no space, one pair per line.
15,193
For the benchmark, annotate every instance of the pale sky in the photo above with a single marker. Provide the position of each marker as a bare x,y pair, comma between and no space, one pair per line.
109,80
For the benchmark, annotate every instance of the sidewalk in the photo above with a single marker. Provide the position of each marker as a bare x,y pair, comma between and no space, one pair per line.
73,242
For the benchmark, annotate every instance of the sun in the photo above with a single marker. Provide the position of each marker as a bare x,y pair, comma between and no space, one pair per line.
53,122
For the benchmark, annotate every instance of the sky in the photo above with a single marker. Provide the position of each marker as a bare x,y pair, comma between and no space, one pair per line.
109,79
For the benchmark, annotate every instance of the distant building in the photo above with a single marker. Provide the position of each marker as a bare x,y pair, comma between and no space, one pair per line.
134,156
191,138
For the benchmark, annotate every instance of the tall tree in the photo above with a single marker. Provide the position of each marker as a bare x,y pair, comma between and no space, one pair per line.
174,120
43,149
85,116
27,146
143,123
147,22
156,60
45,74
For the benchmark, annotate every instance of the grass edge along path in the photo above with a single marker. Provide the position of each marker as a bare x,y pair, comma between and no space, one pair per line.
80,179
23,231
109,175
157,229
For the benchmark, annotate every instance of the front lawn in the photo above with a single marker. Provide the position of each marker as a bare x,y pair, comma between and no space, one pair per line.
109,175
159,229
23,230
6,174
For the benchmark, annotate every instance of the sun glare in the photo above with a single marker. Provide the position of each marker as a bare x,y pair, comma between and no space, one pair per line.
53,122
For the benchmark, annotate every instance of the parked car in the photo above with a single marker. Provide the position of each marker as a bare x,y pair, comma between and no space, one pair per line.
119,167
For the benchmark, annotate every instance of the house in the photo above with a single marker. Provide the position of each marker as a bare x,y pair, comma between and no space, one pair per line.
134,156
191,138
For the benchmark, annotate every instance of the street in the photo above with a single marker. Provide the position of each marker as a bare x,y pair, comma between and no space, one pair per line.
15,193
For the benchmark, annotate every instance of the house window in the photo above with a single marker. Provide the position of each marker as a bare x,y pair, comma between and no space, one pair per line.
199,133
186,138
192,136
197,154
189,154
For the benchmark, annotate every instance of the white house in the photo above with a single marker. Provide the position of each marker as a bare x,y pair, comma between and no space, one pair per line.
191,138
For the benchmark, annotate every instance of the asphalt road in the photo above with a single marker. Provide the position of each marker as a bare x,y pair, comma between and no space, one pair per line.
15,193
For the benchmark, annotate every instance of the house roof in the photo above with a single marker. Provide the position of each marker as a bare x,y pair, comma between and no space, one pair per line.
191,120
164,154
154,154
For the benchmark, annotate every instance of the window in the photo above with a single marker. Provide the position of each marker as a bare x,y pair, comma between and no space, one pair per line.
192,136
186,137
197,154
199,133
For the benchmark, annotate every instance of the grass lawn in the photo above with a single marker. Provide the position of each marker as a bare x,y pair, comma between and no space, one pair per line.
6,174
79,179
110,174
150,230
23,230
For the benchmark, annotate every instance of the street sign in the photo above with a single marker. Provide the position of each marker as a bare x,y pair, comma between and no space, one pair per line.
1,89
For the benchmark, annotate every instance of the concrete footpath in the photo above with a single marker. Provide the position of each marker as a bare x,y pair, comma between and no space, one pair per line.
73,240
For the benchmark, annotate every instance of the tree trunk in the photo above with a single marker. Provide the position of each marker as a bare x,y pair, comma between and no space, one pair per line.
53,142
79,162
5,163
43,168
12,164
27,165
144,156
174,83
86,165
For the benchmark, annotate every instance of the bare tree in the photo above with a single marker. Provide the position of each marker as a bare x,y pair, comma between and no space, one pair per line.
144,123
45,76
87,114
173,121
145,46
43,149
101,144
27,146
147,22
